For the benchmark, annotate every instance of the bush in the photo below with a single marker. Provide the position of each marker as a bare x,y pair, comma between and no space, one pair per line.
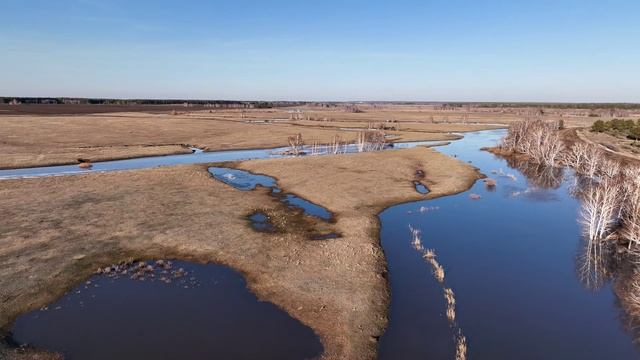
599,126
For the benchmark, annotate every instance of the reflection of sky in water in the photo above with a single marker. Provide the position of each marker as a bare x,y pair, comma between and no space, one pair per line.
511,263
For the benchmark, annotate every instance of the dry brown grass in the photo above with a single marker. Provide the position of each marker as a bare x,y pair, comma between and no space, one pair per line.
56,231
622,149
45,140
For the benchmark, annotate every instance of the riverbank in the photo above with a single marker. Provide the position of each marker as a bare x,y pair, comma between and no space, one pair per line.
58,230
29,141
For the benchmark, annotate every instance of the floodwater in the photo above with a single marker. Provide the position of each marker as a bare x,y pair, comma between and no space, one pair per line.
420,187
510,258
201,311
196,157
509,255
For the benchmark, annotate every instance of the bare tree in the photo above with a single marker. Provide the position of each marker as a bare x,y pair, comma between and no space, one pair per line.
609,168
335,145
593,159
630,210
576,156
370,140
296,143
535,138
599,204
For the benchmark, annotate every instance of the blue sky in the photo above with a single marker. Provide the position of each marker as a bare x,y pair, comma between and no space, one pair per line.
323,50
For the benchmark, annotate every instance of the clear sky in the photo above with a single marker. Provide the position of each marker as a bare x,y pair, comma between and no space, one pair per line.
323,50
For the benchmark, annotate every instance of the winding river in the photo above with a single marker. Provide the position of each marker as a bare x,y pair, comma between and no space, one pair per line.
509,252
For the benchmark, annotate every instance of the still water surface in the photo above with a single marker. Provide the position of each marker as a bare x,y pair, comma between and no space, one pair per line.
510,258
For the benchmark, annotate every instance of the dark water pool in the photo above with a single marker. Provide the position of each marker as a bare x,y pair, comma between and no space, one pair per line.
246,180
201,311
260,222
510,258
420,187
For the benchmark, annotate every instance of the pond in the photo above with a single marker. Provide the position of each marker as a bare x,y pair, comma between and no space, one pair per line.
509,257
165,310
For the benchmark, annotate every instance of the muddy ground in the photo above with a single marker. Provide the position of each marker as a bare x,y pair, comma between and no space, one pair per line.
55,232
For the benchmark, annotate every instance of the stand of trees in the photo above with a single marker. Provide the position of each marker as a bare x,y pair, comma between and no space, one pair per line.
618,127
99,101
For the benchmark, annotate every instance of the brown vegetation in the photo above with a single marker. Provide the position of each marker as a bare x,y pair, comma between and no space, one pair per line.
46,140
57,231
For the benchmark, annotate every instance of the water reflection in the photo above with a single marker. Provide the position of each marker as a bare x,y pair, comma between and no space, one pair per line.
592,264
512,265
541,176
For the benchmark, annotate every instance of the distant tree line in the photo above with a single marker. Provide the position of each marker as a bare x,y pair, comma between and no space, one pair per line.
591,106
618,127
98,101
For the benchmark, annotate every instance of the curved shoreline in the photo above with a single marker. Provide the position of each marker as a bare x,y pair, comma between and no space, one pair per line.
361,231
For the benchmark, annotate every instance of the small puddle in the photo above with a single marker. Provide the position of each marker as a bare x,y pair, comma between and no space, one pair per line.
240,179
165,310
307,206
420,187
325,236
260,222
245,180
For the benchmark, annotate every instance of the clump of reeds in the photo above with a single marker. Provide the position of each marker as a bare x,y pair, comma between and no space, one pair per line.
451,304
438,270
461,347
416,241
85,165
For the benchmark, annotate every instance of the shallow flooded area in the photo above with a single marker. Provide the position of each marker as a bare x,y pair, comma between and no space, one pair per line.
509,255
165,310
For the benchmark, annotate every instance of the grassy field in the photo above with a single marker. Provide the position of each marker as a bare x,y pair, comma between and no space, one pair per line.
57,231
49,139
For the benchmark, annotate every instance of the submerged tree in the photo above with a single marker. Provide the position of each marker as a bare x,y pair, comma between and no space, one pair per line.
296,143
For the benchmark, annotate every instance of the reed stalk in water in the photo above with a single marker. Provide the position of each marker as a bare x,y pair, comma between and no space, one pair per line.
416,241
451,305
461,347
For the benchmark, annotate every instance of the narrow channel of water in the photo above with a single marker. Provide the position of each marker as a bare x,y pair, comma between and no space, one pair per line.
197,157
177,310
510,258
246,180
